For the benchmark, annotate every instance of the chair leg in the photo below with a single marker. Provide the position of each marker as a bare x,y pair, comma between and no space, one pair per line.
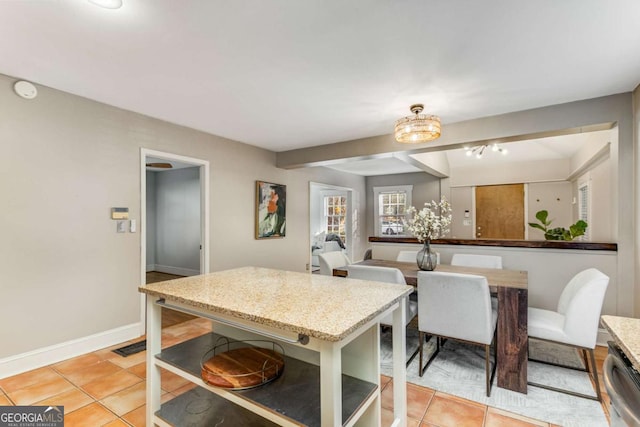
487,354
420,340
421,368
415,352
594,372
584,359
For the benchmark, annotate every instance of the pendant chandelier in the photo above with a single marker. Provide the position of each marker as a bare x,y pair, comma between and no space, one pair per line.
417,128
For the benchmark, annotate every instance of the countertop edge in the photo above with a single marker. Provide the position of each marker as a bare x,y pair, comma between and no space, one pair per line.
607,321
274,323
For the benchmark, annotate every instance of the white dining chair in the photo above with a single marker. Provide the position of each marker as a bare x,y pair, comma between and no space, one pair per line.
456,306
574,323
481,261
330,260
387,275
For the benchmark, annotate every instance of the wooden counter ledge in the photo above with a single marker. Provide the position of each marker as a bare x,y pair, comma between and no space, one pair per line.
540,244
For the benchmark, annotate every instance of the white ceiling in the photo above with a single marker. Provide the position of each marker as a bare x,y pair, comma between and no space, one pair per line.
387,165
551,148
285,74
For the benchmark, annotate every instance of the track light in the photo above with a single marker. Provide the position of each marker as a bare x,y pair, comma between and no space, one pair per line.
478,150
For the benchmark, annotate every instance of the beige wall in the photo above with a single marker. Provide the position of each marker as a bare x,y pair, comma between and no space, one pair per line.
461,201
66,273
511,173
555,198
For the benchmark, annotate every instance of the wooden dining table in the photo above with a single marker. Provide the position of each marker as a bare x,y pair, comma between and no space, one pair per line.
511,289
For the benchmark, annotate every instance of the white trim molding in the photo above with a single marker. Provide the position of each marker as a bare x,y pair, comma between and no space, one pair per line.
407,189
40,357
204,166
179,271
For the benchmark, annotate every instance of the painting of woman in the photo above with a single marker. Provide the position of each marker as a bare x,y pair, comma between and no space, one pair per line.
271,210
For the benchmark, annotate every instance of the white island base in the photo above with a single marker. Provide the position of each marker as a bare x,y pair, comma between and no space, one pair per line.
328,381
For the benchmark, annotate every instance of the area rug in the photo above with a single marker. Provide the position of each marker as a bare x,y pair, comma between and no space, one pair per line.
459,370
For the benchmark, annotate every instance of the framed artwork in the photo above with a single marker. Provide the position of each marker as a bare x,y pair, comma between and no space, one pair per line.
271,210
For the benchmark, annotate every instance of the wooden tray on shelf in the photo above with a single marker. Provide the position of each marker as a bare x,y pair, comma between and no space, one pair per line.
242,365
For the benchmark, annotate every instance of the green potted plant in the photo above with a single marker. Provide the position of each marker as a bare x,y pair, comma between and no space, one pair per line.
558,233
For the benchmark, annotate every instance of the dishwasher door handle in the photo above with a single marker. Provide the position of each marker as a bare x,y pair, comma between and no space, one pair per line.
623,392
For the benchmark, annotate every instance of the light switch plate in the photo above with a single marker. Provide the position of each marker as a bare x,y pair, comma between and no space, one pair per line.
132,226
121,226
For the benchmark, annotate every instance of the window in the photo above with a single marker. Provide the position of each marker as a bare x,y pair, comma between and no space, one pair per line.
584,205
335,213
391,204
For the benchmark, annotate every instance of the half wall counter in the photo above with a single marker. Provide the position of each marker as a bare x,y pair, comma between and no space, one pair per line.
550,263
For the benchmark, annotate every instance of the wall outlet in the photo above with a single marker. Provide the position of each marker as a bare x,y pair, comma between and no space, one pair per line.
307,266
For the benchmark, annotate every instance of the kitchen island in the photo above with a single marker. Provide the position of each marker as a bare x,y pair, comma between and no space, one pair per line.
626,333
621,370
329,328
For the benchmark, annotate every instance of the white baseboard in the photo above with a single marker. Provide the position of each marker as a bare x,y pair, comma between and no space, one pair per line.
175,270
40,357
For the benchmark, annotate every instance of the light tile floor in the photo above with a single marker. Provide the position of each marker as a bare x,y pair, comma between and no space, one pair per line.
105,389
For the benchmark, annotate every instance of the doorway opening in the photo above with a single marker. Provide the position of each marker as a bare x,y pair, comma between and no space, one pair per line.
330,221
174,226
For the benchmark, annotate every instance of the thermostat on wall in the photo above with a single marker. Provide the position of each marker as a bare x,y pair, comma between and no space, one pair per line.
119,213
25,90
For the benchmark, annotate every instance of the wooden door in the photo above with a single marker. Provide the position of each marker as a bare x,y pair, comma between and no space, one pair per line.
500,211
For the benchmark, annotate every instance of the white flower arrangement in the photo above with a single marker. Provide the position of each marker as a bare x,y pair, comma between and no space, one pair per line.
426,224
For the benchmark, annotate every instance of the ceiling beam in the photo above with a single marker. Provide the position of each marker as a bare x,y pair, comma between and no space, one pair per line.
562,119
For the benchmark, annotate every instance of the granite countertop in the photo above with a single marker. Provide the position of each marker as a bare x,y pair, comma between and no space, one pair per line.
626,333
324,307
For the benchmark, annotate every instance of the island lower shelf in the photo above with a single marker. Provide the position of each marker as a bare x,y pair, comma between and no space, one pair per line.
291,399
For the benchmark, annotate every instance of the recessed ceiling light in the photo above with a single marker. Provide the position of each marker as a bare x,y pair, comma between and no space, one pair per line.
107,4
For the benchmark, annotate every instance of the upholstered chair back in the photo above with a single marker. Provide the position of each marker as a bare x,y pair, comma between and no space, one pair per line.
455,305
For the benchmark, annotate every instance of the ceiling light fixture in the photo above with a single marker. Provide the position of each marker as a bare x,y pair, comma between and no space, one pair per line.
478,150
417,128
107,4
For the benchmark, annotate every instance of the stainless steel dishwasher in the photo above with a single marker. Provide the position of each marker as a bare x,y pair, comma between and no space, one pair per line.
622,383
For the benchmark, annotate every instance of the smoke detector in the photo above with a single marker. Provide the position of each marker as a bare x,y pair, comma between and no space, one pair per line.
25,89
